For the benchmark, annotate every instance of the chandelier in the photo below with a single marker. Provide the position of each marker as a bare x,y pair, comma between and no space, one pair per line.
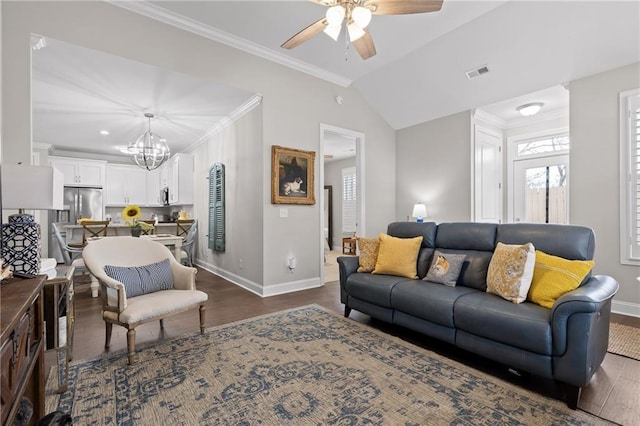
149,151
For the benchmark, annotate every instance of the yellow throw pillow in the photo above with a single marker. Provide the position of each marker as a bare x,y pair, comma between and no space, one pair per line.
554,276
368,253
510,271
398,256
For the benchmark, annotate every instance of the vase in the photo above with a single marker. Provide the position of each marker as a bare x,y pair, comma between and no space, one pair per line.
135,231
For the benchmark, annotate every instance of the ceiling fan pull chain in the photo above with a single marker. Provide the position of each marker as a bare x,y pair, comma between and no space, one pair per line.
346,44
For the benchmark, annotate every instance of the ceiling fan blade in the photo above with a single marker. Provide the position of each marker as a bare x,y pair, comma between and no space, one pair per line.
364,45
325,2
305,34
403,7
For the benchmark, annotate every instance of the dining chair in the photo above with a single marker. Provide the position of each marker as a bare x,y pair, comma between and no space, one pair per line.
141,282
151,231
94,228
72,256
188,244
182,226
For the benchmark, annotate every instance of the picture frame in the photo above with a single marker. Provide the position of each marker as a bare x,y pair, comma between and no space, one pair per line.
292,176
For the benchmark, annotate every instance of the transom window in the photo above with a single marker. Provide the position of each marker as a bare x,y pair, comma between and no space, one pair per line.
547,145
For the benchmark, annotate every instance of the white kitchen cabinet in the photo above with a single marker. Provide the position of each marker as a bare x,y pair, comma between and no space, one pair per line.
153,187
125,185
79,172
163,173
181,180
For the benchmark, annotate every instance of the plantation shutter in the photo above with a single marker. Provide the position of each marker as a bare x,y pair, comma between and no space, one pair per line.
349,201
216,207
634,173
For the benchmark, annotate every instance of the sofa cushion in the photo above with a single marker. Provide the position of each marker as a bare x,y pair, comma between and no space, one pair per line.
445,268
568,241
368,253
375,289
554,276
467,236
398,256
426,300
525,326
511,270
139,280
426,230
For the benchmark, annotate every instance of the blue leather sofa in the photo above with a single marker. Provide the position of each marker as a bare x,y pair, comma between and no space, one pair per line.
567,342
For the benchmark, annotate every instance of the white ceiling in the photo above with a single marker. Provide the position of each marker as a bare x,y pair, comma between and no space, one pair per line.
416,76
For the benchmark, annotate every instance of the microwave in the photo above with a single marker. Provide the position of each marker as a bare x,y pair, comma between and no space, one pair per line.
164,196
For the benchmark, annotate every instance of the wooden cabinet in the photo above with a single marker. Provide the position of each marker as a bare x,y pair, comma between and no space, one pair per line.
153,188
125,185
78,172
180,179
22,347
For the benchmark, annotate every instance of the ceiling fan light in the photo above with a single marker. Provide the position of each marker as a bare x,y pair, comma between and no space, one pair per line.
530,109
355,32
361,16
335,16
333,31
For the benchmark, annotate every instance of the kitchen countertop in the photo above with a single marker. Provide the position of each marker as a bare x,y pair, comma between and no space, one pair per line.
117,225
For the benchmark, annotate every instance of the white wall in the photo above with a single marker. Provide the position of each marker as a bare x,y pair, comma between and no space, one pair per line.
294,105
433,166
333,177
595,171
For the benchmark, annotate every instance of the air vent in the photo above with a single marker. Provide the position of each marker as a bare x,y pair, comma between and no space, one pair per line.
477,72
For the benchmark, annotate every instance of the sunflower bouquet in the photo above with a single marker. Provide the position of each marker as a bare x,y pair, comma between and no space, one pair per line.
130,214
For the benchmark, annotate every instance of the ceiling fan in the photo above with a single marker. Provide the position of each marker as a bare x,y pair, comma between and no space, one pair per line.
357,14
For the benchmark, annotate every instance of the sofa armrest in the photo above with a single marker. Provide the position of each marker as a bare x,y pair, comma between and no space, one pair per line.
583,313
348,265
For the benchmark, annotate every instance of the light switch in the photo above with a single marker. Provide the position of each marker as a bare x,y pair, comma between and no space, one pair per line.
284,212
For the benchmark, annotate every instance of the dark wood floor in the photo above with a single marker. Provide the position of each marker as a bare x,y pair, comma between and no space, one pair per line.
614,392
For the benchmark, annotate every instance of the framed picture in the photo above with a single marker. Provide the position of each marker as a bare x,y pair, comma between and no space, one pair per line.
292,172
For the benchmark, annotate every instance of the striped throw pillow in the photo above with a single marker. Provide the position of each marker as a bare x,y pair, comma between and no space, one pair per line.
139,280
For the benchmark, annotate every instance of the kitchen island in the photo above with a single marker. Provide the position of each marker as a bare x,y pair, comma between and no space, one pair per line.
73,233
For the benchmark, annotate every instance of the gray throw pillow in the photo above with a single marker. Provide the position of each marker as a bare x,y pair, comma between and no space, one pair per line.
139,280
445,268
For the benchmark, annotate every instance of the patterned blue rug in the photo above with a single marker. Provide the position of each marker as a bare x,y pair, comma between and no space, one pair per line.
302,366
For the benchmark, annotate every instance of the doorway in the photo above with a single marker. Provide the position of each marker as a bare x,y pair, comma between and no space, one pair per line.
339,149
541,190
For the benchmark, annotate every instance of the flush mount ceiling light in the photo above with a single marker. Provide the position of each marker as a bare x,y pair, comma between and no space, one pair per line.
356,15
530,109
149,150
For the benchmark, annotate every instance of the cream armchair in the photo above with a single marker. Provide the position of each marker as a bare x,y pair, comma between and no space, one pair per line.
129,312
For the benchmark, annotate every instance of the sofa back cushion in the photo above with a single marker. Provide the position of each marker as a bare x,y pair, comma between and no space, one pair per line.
426,230
476,241
567,241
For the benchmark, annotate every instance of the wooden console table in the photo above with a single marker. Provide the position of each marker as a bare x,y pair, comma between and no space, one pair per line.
59,316
22,325
349,245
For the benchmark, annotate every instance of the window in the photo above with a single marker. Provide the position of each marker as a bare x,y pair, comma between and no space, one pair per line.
349,200
630,177
544,145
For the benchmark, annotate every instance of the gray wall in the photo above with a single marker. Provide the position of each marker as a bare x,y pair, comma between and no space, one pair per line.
294,105
333,176
595,173
433,163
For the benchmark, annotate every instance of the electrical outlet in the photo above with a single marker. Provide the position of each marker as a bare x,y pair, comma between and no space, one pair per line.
284,212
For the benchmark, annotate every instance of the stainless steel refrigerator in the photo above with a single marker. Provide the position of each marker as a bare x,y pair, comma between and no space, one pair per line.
78,203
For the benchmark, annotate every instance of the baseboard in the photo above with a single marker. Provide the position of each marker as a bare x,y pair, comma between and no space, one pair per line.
272,290
625,308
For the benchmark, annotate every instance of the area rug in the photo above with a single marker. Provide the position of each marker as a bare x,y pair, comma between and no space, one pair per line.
624,340
302,366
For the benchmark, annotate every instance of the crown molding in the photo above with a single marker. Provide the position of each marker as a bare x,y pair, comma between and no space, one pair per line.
43,146
491,119
163,15
226,121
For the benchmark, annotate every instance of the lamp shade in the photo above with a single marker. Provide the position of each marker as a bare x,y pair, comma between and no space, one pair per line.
31,187
419,211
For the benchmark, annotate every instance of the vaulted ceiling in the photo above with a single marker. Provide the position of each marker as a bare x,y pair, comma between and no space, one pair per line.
418,73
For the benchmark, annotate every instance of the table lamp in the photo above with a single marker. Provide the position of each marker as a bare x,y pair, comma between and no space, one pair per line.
26,188
419,212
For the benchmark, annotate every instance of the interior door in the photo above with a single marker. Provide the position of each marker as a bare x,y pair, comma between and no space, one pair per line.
488,176
541,192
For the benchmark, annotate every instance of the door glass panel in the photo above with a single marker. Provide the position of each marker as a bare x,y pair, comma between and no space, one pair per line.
545,200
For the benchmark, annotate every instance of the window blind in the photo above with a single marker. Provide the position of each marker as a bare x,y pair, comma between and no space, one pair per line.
349,201
630,176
